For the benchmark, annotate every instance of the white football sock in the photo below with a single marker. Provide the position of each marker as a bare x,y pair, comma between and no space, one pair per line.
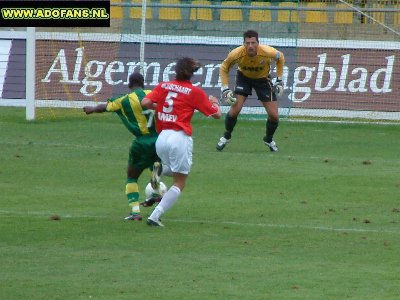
157,213
169,198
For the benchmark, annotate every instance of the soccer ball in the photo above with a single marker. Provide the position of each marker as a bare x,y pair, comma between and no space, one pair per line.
151,193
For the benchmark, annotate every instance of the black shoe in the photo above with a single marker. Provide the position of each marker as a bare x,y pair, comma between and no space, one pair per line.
151,222
150,202
272,146
222,143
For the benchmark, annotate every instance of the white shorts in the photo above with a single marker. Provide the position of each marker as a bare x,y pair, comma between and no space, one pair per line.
175,150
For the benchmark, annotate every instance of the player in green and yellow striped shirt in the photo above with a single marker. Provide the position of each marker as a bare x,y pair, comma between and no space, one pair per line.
140,122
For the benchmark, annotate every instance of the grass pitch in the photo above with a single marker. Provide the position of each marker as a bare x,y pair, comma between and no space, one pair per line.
318,220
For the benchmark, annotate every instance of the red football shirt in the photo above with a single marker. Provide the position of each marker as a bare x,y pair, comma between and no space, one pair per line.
176,103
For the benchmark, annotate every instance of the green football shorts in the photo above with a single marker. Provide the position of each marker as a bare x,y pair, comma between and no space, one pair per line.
142,153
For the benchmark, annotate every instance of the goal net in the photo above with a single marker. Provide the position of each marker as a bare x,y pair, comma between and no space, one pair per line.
80,67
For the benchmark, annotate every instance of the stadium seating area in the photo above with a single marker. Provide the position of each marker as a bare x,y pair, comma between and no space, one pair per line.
313,12
204,14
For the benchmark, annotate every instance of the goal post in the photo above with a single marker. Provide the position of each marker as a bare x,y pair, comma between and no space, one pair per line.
30,73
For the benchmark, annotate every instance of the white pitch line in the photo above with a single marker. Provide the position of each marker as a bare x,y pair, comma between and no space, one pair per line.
284,226
322,228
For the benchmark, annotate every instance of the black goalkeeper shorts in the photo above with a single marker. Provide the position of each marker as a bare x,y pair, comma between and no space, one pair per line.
262,86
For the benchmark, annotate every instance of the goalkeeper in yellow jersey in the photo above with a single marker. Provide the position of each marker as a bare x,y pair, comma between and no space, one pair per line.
140,122
254,65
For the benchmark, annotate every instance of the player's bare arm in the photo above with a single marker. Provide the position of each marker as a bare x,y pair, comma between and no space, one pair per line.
95,109
147,103
214,101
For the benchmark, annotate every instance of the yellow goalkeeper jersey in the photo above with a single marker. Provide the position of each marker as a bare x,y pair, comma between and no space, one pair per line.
255,67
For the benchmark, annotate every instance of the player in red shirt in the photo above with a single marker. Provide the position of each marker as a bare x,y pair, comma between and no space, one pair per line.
174,103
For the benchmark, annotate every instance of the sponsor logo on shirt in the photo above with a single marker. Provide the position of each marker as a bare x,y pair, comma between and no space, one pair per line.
252,69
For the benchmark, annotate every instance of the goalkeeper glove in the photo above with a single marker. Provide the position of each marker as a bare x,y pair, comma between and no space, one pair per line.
278,87
228,96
